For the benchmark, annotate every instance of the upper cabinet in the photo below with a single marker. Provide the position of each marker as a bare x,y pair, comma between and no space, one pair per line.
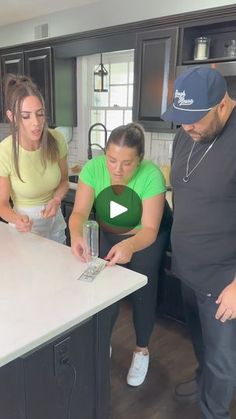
10,63
220,38
13,63
38,65
1,101
55,78
154,73
162,45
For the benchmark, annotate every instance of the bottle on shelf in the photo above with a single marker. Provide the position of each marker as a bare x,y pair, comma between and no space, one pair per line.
231,48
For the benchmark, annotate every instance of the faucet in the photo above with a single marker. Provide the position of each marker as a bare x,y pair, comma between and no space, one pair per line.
98,145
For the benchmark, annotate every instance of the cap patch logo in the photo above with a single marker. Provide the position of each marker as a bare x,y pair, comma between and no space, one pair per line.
181,98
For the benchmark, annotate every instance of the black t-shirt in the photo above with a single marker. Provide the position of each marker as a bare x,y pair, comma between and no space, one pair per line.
203,234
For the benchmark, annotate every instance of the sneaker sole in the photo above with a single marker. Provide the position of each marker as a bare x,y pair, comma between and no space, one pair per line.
137,386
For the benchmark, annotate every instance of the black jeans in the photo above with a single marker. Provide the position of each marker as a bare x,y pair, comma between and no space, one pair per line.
146,262
214,344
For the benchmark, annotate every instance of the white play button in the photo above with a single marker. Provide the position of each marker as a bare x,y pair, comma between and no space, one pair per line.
116,209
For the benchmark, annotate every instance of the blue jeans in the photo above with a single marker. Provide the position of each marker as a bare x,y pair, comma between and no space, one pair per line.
214,344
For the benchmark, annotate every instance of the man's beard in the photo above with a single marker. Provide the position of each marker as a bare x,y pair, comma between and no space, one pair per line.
209,136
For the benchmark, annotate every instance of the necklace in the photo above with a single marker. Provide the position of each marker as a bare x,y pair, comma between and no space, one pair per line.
188,173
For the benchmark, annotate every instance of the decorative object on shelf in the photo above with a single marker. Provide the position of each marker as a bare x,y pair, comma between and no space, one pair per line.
202,48
100,78
231,48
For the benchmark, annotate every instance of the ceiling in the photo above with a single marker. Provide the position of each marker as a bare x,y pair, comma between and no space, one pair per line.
13,11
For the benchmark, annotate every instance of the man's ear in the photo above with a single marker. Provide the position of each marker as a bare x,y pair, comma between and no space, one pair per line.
222,103
9,115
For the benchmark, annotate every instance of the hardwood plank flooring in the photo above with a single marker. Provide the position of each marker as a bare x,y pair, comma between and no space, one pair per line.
171,361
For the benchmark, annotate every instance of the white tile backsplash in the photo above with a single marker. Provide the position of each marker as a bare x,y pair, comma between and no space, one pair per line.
77,149
161,147
157,148
148,144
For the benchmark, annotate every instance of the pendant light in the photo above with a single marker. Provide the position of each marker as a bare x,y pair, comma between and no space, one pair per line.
100,78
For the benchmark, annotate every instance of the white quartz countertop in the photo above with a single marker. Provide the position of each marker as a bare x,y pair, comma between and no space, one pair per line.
40,294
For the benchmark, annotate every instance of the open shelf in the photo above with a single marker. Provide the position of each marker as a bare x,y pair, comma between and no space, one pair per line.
210,60
220,35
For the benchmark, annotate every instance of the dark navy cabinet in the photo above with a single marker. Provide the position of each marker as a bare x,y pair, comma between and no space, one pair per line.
29,388
55,78
155,60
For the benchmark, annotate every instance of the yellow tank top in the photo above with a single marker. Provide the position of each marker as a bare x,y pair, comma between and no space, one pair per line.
39,182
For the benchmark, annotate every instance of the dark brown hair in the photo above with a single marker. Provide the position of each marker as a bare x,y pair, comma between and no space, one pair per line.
130,135
16,89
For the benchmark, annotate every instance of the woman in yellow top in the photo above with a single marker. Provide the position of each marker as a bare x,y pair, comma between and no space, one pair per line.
33,164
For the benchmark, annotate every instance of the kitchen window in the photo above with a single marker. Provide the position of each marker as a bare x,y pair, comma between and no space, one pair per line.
112,108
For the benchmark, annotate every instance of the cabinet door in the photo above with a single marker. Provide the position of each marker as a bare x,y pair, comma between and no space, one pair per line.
71,392
38,65
12,396
55,78
154,72
13,64
1,98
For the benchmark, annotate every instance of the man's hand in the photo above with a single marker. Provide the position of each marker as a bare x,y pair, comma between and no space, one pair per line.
227,303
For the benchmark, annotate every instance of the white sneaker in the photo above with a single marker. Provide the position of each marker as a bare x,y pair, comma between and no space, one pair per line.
138,369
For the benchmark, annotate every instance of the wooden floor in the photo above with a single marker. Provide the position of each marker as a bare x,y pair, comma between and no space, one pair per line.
171,361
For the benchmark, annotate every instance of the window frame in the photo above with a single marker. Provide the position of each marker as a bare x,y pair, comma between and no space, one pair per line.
108,59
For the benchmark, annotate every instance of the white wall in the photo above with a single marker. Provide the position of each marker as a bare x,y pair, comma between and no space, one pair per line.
101,14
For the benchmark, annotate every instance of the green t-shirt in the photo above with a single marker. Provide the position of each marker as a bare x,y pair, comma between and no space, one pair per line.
147,181
39,183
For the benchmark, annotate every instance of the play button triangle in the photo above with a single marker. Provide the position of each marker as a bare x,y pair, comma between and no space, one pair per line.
116,209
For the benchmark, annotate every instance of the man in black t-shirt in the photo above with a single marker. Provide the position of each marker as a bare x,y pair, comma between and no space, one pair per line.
203,237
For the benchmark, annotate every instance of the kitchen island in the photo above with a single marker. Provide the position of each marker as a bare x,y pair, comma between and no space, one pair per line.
54,328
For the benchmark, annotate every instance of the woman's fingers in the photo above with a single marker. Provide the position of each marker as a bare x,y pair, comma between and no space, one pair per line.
23,223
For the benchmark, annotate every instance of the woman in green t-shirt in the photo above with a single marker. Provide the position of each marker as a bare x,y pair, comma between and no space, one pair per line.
33,164
138,245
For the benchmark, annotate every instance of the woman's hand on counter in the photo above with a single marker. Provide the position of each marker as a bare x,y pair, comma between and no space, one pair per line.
23,223
79,248
120,253
51,208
